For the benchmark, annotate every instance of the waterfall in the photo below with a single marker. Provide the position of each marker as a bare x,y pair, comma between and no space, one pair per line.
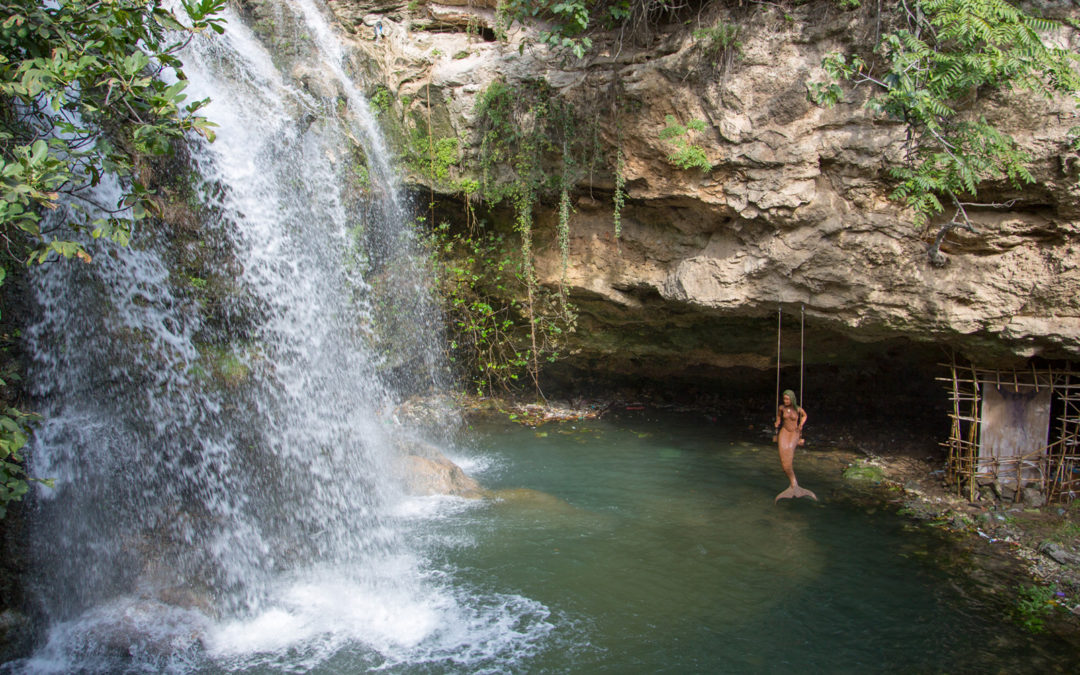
218,402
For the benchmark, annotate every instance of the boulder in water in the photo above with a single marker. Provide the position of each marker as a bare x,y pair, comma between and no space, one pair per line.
437,475
136,627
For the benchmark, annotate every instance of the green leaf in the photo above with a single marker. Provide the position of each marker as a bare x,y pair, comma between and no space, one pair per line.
38,152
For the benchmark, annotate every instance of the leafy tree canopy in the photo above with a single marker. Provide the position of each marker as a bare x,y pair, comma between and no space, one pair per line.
82,98
929,71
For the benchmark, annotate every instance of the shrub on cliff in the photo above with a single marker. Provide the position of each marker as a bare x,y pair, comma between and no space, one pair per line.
925,74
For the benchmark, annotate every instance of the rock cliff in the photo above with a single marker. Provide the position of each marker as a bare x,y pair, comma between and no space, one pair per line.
794,213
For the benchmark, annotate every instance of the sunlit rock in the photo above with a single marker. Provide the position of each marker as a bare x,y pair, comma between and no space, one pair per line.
800,193
438,476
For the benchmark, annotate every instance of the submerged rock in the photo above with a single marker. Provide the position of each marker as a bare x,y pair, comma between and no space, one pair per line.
534,499
865,473
139,628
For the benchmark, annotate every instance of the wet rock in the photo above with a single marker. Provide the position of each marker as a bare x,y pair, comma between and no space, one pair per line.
16,635
428,412
554,411
1058,553
136,626
434,474
864,473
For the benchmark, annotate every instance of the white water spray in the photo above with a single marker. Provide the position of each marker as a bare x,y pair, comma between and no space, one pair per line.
218,407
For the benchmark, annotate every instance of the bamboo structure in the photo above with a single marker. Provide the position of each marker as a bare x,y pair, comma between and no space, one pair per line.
1051,467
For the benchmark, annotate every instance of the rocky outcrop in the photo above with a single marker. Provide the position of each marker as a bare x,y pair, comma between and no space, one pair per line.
794,212
427,476
425,471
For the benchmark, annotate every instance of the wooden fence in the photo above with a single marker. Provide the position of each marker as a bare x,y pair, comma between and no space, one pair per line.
1053,469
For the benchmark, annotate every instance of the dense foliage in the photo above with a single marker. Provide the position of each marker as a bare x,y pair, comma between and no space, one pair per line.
928,73
497,336
87,89
569,23
532,145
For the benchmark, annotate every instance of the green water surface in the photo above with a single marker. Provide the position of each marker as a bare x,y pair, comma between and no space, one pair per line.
654,543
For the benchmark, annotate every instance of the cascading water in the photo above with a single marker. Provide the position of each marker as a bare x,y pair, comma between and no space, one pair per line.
218,406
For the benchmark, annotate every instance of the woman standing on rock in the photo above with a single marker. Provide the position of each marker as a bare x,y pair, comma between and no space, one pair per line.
790,419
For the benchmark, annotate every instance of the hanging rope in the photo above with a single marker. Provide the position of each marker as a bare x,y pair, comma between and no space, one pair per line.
802,350
778,315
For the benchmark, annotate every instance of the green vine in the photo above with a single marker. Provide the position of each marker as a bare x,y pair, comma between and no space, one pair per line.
381,100
525,129
564,238
478,277
620,191
523,206
503,20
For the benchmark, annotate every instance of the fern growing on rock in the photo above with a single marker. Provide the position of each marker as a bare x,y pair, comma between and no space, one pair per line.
685,155
928,72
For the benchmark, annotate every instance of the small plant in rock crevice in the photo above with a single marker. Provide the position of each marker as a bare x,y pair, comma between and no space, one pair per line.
686,154
721,45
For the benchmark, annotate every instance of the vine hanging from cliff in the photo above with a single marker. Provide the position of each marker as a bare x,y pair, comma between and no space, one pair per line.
926,75
619,197
572,25
530,149
564,239
523,206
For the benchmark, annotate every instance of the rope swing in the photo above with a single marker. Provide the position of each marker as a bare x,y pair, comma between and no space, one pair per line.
778,327
802,350
787,437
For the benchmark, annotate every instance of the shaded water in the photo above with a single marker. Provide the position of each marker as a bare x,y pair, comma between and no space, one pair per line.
656,547
625,546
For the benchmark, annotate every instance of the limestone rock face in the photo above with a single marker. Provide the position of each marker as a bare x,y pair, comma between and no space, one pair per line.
794,212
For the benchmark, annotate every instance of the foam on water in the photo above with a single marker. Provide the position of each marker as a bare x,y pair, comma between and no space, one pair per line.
378,621
198,525
433,507
324,617
475,464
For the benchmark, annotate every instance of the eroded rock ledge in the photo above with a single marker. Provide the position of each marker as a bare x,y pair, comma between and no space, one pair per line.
795,212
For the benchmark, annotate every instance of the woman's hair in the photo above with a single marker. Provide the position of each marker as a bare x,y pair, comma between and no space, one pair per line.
794,401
